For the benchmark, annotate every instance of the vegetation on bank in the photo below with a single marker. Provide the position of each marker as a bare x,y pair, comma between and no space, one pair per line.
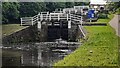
101,48
103,21
114,7
8,29
110,16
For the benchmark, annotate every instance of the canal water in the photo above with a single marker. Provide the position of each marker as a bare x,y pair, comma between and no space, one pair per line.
41,53
34,54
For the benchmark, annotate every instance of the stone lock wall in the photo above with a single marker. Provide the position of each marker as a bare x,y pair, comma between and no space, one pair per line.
29,34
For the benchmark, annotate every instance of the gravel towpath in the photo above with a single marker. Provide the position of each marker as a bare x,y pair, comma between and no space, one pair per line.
115,23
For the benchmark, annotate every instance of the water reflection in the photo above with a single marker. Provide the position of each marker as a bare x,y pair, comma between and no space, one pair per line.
35,55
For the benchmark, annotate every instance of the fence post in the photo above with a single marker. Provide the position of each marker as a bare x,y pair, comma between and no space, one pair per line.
39,25
69,24
47,15
21,21
70,16
32,20
81,21
58,17
38,16
67,17
50,17
69,11
41,17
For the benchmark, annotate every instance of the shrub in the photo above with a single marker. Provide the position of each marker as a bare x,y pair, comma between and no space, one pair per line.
118,11
102,16
104,11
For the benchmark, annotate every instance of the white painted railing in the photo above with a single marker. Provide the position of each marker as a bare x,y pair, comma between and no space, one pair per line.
26,21
35,19
71,18
81,29
76,19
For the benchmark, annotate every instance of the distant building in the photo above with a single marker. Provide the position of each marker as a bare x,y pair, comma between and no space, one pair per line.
98,4
82,9
77,10
69,10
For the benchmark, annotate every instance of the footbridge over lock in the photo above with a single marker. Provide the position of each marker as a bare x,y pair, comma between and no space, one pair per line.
63,20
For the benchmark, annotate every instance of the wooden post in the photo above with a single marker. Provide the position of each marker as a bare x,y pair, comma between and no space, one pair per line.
69,24
69,11
41,17
39,24
60,10
47,15
39,21
38,16
21,21
58,17
50,17
70,16
75,11
81,21
32,20
67,17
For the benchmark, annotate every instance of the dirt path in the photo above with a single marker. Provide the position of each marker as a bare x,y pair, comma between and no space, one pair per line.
115,23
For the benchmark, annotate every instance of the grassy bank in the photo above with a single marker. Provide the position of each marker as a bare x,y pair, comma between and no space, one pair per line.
110,16
101,48
8,29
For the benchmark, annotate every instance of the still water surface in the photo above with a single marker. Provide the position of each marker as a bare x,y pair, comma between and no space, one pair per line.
34,55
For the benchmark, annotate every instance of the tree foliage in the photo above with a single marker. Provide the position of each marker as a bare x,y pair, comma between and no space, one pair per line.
114,6
30,9
12,11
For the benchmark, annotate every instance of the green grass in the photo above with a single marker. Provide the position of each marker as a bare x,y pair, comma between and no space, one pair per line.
110,16
101,49
8,29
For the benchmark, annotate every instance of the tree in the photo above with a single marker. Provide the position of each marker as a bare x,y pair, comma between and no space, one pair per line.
10,11
31,8
69,4
114,6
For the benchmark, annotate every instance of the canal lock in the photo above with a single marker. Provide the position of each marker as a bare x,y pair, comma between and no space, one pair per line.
47,50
